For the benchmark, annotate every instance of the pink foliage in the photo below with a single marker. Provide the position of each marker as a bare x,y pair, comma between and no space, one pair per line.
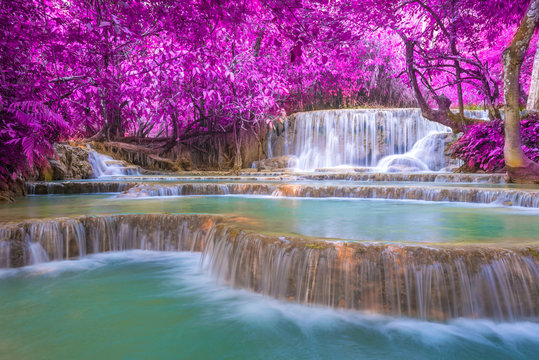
179,69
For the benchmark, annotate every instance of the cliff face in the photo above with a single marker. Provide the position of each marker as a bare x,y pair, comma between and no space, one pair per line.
71,162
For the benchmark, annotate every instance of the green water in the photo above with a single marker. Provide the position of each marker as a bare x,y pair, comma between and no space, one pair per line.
150,305
354,219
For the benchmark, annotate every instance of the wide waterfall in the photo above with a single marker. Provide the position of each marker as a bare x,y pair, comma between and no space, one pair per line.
500,196
362,137
422,282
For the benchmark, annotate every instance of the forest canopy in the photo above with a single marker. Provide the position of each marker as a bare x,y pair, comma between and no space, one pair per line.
190,70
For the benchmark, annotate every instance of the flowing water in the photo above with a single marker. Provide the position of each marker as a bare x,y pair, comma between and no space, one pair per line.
325,139
365,138
353,219
405,263
427,283
151,305
104,166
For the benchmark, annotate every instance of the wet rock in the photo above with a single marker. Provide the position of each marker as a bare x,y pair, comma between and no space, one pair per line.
59,169
69,162
272,164
12,189
74,187
416,177
75,159
517,197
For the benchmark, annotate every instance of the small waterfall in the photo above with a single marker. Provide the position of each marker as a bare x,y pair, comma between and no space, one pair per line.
35,241
501,196
478,114
426,154
413,177
36,254
146,190
5,253
427,283
105,166
76,187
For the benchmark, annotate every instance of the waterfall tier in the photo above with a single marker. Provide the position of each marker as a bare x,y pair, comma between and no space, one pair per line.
413,177
428,283
76,187
88,187
363,137
501,196
328,139
106,166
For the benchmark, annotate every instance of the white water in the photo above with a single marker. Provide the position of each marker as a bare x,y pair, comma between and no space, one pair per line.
37,254
364,137
197,307
106,166
426,154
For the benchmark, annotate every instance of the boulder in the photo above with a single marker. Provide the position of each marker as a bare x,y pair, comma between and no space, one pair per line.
279,162
75,159
59,169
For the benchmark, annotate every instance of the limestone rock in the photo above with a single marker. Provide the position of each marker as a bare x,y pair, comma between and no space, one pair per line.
59,169
75,160
69,162
279,162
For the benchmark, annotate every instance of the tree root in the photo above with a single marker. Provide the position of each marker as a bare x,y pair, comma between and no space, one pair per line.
527,174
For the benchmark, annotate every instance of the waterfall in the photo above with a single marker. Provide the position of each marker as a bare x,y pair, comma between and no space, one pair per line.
76,187
362,137
501,196
401,281
36,253
414,281
426,154
105,166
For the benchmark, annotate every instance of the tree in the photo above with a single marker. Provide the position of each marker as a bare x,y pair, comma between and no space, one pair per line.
207,75
533,94
519,166
451,52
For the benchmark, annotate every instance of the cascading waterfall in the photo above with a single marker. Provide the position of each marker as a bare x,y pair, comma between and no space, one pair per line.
105,166
402,281
426,154
76,187
501,196
427,283
362,137
30,242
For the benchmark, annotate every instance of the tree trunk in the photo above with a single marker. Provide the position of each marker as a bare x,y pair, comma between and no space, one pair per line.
519,167
237,153
533,96
443,115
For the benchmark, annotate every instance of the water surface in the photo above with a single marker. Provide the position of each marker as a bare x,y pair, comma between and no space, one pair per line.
151,305
353,219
